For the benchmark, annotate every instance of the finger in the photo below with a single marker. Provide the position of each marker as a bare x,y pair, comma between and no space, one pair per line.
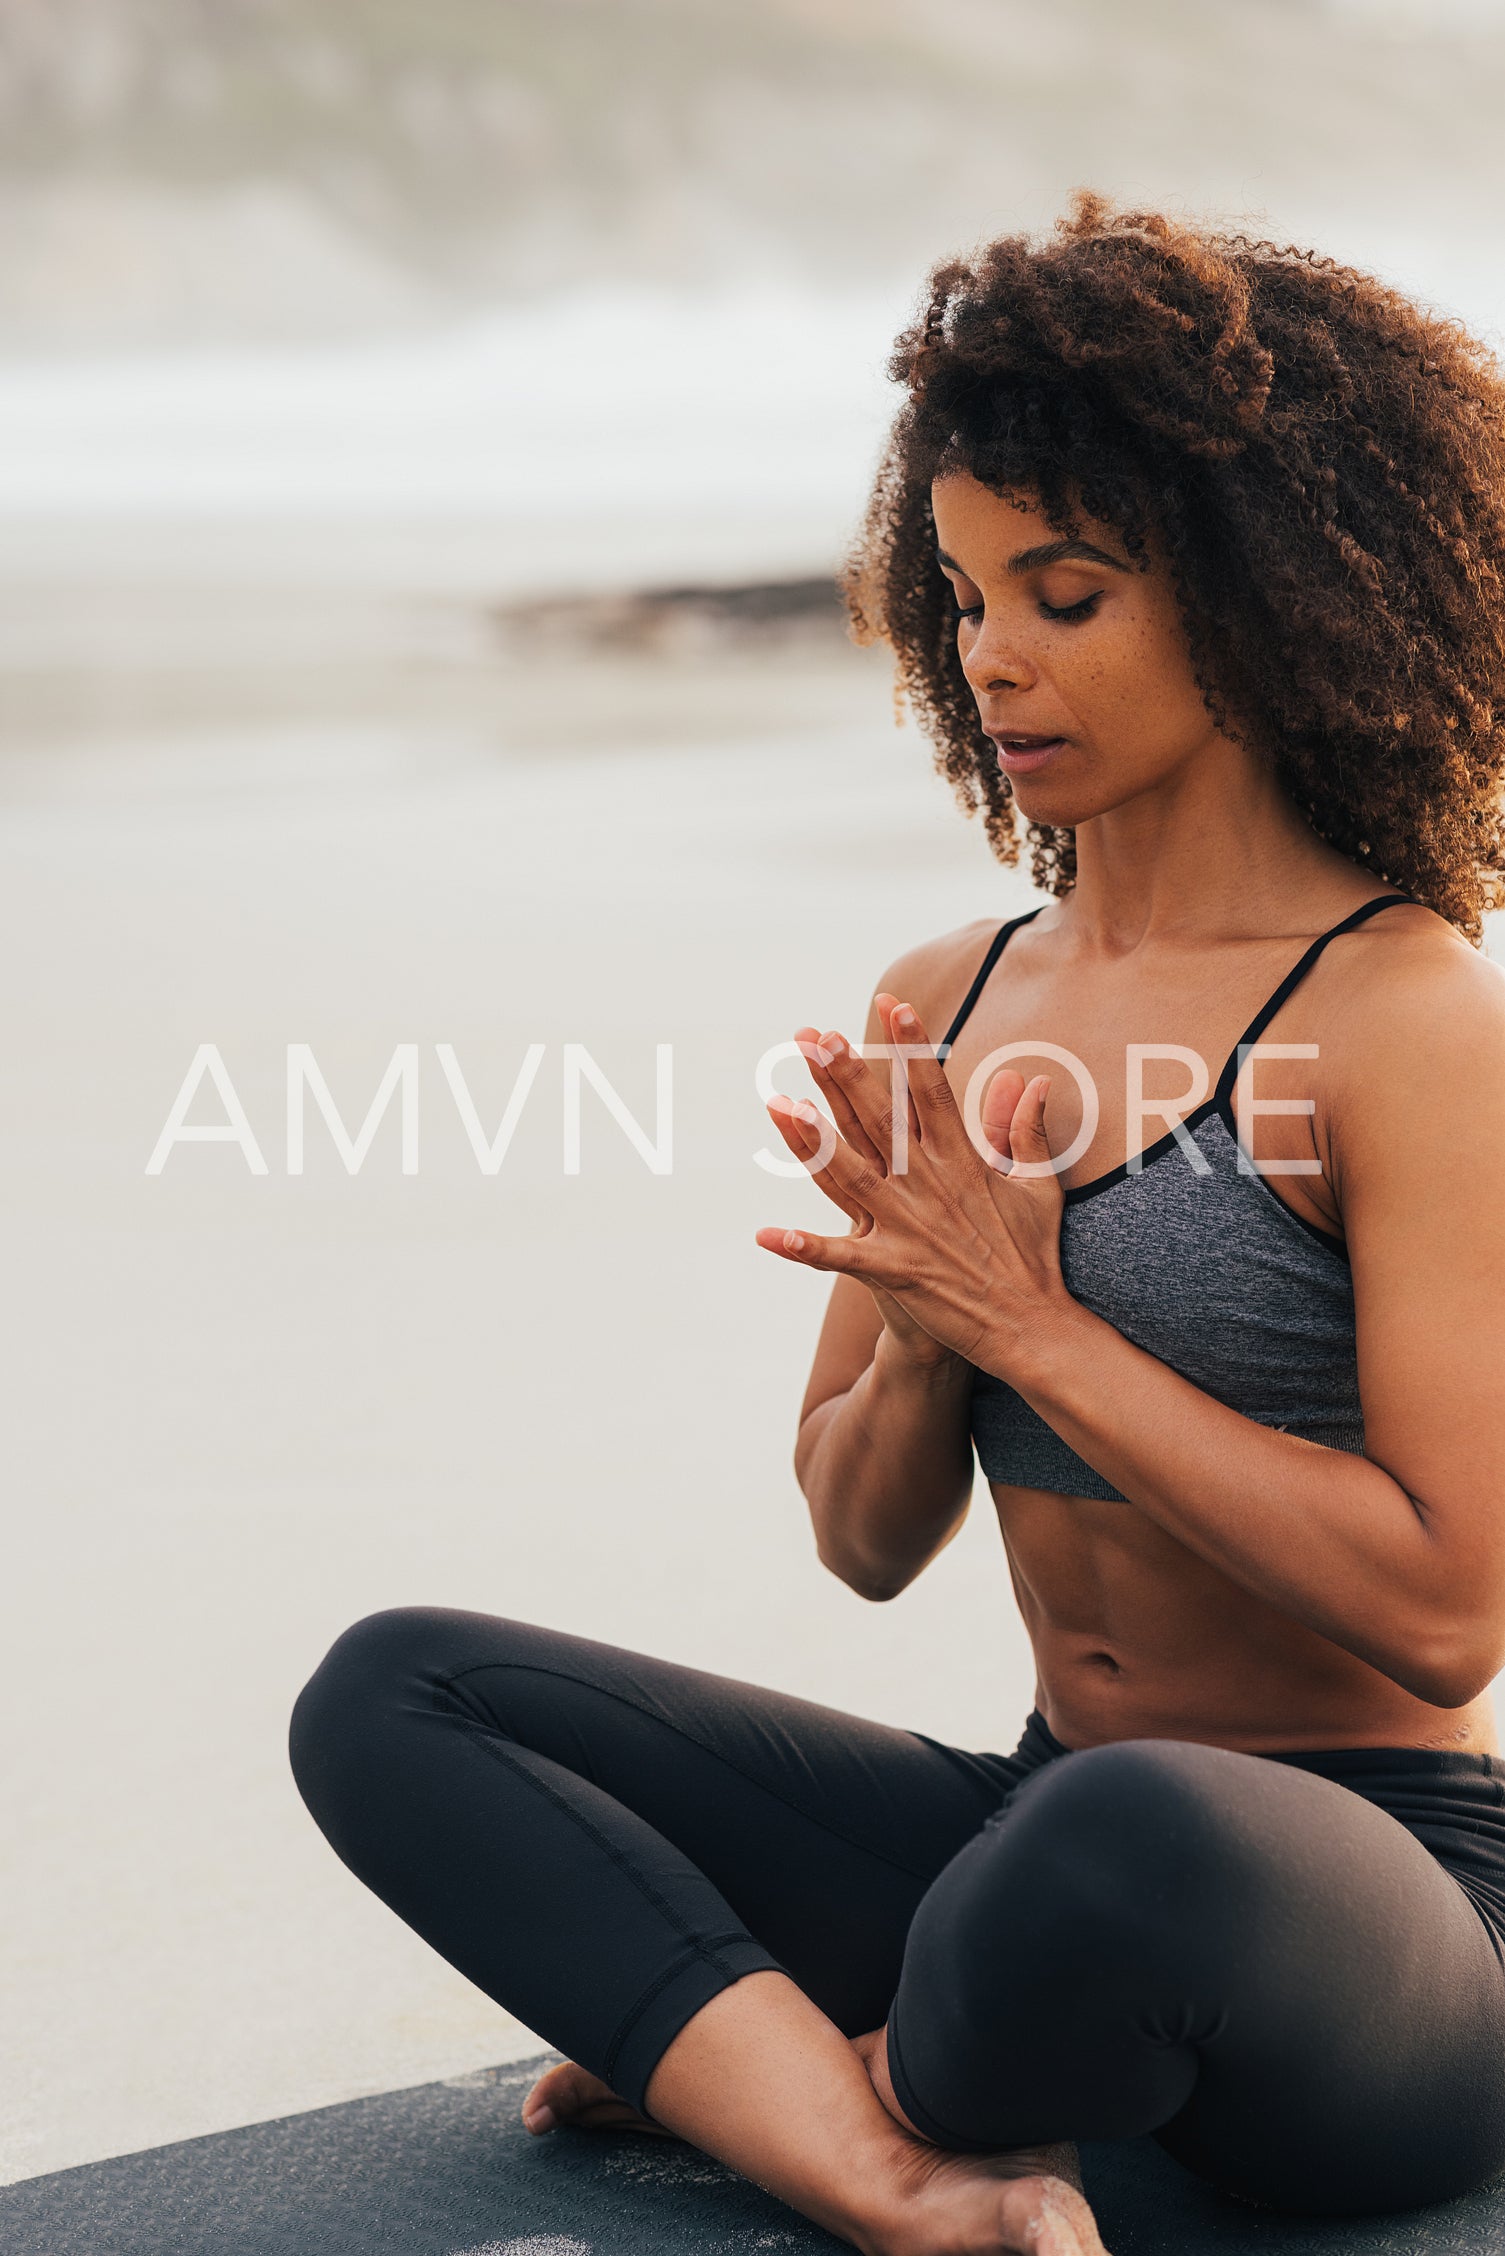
866,1096
844,1255
931,1093
1000,1103
804,1141
842,1173
846,1119
1029,1143
898,1081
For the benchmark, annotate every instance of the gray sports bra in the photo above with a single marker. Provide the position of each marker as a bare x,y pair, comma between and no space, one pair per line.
1201,1264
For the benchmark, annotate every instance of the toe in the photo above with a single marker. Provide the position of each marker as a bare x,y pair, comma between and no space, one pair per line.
571,2094
559,2096
1048,2217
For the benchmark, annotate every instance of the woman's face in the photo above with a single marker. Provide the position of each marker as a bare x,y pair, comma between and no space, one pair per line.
1077,658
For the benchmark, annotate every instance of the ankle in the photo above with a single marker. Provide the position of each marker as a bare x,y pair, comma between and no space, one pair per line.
889,2212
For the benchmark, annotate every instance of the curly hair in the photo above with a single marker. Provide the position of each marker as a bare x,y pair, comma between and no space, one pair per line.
1321,464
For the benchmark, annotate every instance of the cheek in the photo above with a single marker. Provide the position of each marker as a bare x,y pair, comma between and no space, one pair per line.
1136,681
1106,672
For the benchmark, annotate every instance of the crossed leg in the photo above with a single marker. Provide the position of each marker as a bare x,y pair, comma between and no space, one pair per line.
612,1847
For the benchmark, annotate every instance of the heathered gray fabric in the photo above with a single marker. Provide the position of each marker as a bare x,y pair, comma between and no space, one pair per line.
1212,1274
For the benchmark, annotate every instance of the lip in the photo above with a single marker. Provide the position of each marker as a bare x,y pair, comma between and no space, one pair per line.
1022,752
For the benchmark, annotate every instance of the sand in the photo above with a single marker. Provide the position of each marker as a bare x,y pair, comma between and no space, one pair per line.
245,1410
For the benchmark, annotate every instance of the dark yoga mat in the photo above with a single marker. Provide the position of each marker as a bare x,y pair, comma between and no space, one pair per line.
446,2170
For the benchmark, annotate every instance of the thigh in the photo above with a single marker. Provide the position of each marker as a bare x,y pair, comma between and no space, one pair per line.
1250,1961
820,1830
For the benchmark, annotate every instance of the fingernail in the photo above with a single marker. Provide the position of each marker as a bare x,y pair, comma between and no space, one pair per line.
542,2119
904,1016
805,1110
793,1242
831,1046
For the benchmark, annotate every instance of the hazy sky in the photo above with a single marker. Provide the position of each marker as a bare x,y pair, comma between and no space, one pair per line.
288,168
630,264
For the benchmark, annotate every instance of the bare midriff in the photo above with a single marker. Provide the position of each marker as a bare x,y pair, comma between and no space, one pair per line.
1135,1637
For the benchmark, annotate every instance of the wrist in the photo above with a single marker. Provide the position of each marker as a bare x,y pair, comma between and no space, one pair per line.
1035,1355
925,1363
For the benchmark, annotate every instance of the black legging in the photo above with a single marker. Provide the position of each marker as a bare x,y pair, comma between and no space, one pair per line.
1287,1968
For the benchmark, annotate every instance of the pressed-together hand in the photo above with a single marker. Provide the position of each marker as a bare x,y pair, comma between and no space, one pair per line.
953,1248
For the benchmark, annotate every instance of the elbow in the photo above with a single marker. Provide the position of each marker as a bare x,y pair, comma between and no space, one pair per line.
867,1580
1450,1666
870,1575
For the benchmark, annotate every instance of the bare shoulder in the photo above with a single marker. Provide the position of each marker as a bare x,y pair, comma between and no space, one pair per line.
1414,1128
934,975
1417,1028
1417,983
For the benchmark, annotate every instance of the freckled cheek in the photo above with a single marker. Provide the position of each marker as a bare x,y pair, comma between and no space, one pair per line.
1106,686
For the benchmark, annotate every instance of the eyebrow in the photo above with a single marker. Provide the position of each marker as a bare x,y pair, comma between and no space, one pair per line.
1048,552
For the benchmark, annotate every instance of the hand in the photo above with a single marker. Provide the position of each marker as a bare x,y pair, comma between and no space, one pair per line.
906,1333
966,1253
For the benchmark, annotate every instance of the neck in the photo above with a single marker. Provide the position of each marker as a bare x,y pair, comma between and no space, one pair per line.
1216,849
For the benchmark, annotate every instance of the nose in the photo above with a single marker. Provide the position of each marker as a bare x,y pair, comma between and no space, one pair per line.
994,661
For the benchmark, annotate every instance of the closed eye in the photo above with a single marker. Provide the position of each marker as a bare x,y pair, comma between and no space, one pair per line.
1065,611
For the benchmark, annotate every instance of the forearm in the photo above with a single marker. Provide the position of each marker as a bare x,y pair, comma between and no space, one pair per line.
886,1469
1328,1538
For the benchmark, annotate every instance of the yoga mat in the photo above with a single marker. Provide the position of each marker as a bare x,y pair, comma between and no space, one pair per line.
446,2170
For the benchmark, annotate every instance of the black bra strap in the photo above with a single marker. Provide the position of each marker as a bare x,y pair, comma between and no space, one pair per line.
1224,1093
999,942
1252,1031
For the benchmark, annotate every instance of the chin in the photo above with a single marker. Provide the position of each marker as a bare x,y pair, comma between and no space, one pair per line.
1064,802
1057,809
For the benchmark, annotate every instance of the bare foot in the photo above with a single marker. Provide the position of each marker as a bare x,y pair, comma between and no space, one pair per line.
990,2205
1027,2202
572,2095
1019,2204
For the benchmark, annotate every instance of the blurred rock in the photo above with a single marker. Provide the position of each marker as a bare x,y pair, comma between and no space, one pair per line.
679,621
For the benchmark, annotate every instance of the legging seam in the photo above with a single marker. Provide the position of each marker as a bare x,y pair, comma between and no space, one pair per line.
1488,1917
912,1872
639,2007
593,1832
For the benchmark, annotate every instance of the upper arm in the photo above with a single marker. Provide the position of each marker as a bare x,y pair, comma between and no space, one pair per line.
1417,1143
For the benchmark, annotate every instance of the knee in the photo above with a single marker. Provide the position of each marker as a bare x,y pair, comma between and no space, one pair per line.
367,1666
1141,1833
1135,1788
375,1651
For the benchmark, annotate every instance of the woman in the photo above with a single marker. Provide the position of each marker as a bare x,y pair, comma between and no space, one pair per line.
1191,552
